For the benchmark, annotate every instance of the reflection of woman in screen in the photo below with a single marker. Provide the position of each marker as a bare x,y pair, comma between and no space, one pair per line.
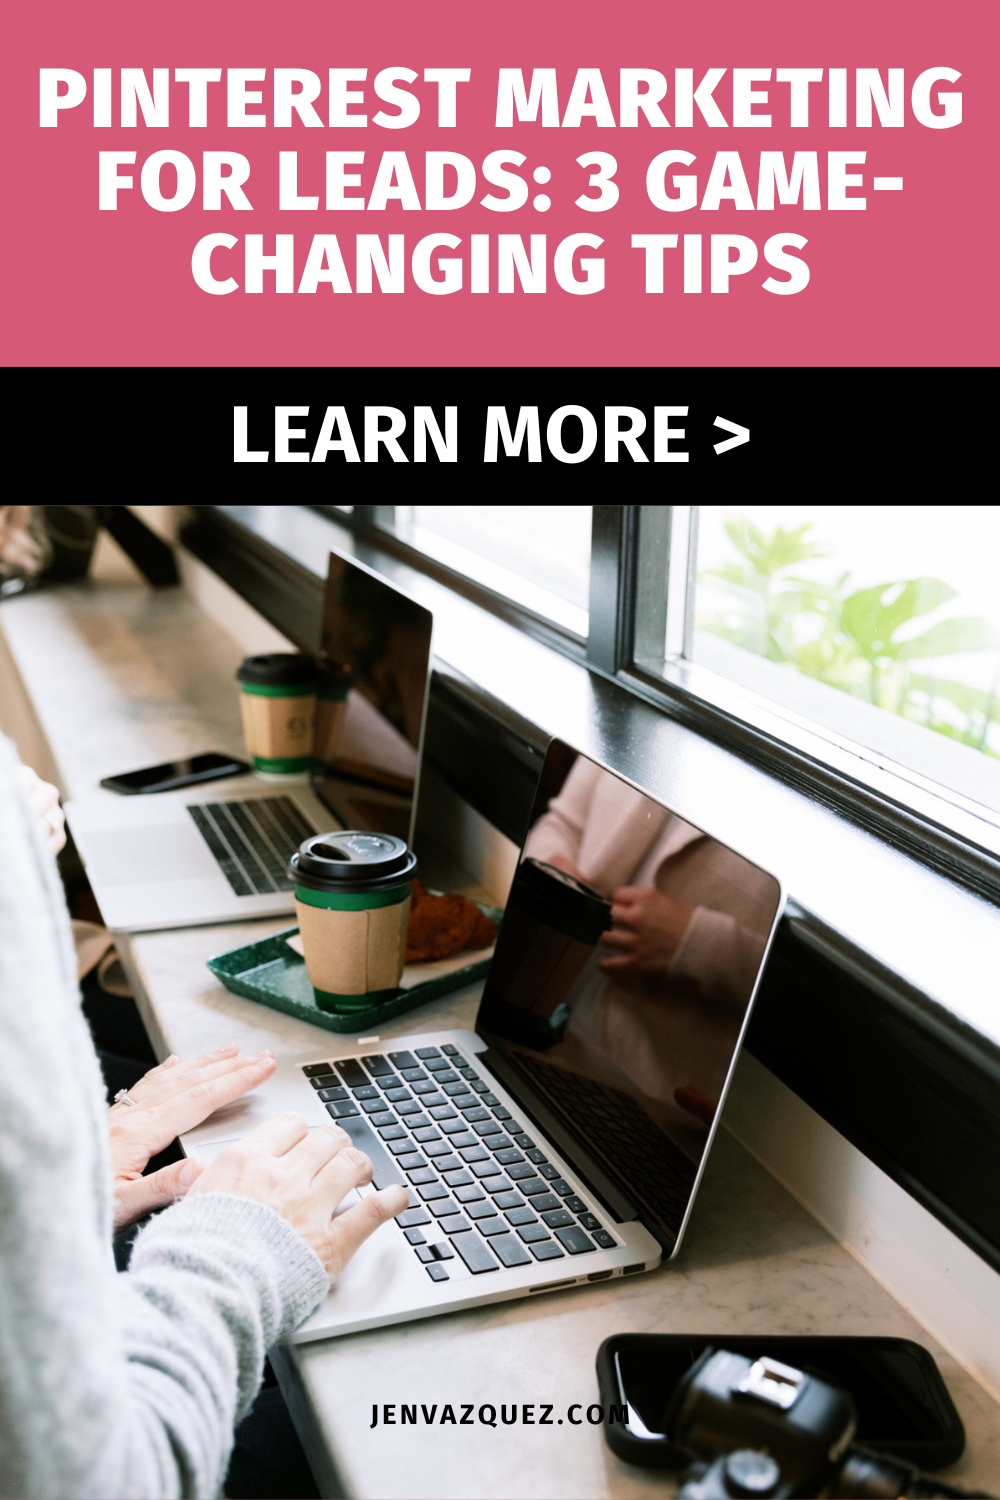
664,997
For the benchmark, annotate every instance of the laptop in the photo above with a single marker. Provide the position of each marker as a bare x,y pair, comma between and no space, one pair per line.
220,853
563,1140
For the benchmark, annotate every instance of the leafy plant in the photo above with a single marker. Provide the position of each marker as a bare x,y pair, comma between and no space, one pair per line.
857,640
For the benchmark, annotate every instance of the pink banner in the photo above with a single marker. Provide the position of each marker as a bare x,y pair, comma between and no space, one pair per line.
525,184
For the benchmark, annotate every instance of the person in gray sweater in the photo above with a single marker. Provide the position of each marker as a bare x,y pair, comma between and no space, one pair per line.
130,1384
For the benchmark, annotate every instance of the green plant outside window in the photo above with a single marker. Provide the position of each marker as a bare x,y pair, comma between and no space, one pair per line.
858,640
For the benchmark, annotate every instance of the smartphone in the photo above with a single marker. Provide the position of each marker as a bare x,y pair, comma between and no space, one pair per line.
903,1404
175,773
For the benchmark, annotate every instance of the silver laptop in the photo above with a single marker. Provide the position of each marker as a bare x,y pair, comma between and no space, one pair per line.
563,1140
220,853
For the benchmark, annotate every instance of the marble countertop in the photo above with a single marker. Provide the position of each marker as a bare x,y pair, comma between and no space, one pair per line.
120,676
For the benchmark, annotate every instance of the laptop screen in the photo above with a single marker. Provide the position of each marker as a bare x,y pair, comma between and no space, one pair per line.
628,956
376,649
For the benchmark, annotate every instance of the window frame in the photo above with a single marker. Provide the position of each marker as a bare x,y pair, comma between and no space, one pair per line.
922,819
642,640
375,523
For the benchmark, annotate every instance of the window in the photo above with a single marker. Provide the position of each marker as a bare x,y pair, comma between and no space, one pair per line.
536,556
853,651
852,614
858,640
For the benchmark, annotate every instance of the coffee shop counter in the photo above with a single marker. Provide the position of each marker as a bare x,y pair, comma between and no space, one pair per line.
96,679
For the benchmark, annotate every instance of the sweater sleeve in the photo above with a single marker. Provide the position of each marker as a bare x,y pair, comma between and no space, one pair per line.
719,953
560,828
109,1385
212,1283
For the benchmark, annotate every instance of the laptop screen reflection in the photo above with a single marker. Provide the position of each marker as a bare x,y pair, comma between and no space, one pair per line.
628,956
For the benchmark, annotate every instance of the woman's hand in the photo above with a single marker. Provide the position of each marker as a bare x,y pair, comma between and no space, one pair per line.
303,1175
43,799
646,930
170,1099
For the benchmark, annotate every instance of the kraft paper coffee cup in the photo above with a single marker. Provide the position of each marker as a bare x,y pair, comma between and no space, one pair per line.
332,685
352,900
278,704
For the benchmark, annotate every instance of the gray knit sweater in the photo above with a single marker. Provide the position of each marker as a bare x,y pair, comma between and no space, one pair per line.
110,1385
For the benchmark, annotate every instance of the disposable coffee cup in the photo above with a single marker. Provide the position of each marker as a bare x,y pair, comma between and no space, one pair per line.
333,682
278,704
352,900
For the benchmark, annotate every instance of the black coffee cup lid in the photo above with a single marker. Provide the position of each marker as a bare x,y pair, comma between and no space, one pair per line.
277,669
354,860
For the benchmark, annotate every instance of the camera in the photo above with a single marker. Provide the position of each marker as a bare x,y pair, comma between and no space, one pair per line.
761,1428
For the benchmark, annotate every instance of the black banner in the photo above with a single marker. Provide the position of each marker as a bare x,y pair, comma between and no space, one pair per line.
290,433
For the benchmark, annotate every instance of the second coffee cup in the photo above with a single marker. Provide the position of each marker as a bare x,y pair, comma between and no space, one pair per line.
278,704
352,900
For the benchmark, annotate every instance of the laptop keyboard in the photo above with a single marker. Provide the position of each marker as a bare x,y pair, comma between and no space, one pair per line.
623,1134
252,842
481,1191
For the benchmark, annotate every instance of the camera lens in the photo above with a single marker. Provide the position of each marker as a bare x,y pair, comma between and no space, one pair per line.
751,1473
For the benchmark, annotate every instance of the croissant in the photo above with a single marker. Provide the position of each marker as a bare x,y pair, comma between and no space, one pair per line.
443,925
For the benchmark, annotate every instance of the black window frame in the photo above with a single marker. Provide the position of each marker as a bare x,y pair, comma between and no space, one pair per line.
910,1083
630,558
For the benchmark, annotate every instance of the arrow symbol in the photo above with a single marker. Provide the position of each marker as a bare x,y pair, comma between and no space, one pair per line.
742,435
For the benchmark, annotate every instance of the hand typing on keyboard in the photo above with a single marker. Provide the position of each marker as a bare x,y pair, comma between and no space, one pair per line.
304,1175
429,1122
167,1101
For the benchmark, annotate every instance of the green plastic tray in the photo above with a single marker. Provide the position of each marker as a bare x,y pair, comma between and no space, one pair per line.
273,974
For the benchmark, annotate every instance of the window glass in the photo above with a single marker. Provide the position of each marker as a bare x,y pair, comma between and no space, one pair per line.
536,555
880,622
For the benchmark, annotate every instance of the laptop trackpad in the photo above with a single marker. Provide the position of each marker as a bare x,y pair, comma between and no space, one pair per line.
127,856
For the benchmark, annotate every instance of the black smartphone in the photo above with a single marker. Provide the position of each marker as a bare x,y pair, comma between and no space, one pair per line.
175,773
903,1404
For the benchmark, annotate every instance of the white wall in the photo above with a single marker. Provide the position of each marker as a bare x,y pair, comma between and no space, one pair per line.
939,1280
